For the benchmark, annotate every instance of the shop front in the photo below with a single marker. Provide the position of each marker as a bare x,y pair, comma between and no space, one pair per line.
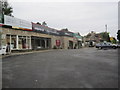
70,44
40,43
77,40
25,35
2,43
58,43
18,42
79,44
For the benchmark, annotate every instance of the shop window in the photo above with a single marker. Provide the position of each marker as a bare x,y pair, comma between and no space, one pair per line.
28,43
43,43
20,42
23,42
7,38
13,42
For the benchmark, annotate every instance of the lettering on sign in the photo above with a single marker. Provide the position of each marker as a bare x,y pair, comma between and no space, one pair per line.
15,22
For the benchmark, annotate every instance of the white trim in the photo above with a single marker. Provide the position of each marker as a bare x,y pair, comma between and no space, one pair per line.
17,39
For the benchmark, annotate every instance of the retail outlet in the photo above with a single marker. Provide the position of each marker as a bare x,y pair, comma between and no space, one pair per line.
24,35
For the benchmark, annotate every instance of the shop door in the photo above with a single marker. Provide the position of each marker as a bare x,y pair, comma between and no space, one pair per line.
70,44
23,43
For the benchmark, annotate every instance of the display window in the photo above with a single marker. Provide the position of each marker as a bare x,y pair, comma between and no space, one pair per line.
28,42
8,38
13,41
24,42
20,42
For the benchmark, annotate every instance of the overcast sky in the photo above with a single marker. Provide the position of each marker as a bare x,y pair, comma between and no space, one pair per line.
77,16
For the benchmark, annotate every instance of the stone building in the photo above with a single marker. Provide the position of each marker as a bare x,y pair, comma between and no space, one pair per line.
24,35
91,39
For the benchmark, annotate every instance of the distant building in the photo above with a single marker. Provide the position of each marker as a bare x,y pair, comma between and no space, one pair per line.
74,41
78,40
92,38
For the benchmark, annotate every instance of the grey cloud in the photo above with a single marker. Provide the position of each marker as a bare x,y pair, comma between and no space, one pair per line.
77,16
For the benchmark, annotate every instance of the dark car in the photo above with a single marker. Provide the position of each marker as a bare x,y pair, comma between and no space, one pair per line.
105,45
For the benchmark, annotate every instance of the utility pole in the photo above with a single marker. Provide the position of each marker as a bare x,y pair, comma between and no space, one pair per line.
106,27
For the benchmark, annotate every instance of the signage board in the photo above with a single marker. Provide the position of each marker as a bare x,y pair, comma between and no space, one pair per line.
57,42
52,31
15,22
37,27
44,29
68,34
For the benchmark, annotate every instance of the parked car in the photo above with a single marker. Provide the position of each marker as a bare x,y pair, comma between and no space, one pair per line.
106,45
2,50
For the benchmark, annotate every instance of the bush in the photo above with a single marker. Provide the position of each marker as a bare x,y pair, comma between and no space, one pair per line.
54,47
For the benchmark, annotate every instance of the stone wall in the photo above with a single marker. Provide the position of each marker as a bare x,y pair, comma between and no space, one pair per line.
64,40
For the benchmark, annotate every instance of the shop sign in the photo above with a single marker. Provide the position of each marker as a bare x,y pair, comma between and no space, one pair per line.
37,27
57,42
52,31
15,22
68,34
44,29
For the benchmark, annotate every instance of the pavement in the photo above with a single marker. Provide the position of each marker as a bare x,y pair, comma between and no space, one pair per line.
75,68
23,53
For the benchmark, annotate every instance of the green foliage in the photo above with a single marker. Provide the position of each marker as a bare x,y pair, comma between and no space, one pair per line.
44,23
55,47
105,36
39,23
6,8
65,30
114,41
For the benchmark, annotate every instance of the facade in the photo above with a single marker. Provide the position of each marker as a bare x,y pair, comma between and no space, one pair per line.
17,39
24,35
77,40
91,39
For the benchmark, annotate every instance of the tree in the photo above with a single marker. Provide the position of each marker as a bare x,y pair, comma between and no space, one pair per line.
113,40
44,23
65,30
118,35
39,23
105,36
6,8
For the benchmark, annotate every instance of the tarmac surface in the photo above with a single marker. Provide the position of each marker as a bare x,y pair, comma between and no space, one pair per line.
77,68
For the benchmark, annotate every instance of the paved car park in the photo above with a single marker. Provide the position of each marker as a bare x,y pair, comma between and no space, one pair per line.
74,68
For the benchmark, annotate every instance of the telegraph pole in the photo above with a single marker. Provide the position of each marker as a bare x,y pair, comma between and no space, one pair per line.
106,27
